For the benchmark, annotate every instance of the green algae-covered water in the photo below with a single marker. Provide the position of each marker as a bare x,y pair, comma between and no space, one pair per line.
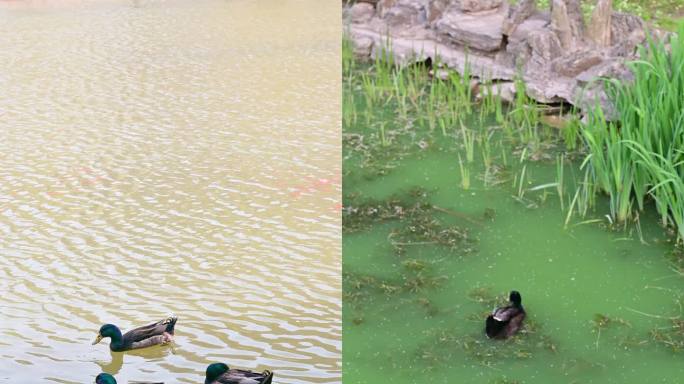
426,260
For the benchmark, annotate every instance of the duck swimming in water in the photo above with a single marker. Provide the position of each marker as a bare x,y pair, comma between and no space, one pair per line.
219,373
157,333
506,321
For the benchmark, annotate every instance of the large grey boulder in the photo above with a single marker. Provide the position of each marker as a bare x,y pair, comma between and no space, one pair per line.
480,31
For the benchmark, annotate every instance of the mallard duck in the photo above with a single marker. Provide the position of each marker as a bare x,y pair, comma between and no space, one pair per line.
506,321
219,373
160,332
106,378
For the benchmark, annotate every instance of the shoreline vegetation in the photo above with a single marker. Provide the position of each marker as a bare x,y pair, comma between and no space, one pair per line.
636,160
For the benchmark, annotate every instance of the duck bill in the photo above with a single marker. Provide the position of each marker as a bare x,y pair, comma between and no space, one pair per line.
97,339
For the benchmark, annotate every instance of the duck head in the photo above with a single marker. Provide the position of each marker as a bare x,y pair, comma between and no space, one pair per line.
515,298
108,330
214,371
105,378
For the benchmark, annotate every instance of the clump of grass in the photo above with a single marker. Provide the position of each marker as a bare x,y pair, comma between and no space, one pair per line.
642,156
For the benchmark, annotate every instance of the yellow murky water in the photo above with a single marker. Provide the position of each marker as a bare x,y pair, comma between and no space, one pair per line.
170,156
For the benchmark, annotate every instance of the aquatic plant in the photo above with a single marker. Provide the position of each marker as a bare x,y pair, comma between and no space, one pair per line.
642,156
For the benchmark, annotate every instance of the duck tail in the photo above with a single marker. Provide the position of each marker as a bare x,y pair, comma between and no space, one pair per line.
170,323
268,378
493,327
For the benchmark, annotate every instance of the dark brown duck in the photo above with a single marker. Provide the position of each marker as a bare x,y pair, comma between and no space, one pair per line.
505,322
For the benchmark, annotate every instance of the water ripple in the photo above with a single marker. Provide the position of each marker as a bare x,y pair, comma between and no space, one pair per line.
159,157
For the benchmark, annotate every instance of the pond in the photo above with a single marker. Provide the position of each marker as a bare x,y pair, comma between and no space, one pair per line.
433,242
169,157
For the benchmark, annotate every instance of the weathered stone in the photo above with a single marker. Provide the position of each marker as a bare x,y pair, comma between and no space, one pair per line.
599,28
517,14
576,62
404,12
361,12
544,46
626,47
560,23
622,24
382,6
555,58
536,22
476,31
576,18
586,98
503,89
627,32
614,69
567,22
362,47
479,5
435,10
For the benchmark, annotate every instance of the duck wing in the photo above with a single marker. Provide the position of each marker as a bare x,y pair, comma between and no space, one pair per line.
515,323
239,376
157,331
505,314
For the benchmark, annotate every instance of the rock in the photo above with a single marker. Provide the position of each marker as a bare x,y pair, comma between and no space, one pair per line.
627,47
567,22
627,33
404,12
534,23
435,10
622,24
362,46
517,14
544,46
576,62
555,52
481,31
586,98
613,68
599,29
361,12
504,89
382,6
471,6
576,18
560,24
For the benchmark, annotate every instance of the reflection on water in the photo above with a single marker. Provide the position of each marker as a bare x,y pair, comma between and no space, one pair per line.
169,157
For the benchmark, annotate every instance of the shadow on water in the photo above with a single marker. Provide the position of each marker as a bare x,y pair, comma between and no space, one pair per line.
113,366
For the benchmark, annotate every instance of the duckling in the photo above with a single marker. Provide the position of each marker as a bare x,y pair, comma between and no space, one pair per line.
506,321
219,373
157,333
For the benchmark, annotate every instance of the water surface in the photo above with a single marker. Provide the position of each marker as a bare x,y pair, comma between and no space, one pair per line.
169,156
